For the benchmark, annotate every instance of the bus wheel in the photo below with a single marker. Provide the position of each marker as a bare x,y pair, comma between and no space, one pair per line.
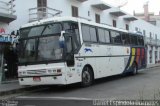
135,69
87,77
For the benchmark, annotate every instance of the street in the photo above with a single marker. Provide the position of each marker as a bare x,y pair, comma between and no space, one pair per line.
144,86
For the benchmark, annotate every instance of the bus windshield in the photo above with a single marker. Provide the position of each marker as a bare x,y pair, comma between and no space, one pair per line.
41,43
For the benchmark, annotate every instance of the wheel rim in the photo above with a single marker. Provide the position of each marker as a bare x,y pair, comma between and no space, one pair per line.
86,76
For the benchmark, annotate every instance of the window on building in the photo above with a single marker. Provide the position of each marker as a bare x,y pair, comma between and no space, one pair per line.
114,23
89,33
150,56
144,32
74,11
88,13
97,18
150,34
127,27
103,35
156,36
116,37
136,28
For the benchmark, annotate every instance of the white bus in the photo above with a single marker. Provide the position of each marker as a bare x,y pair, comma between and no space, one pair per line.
66,50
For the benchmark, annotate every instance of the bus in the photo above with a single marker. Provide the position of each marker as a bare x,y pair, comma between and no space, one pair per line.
67,50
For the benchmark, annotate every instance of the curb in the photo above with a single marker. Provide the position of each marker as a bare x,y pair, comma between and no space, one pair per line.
19,90
153,67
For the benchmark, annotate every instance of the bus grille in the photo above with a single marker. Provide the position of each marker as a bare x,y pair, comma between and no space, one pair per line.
36,72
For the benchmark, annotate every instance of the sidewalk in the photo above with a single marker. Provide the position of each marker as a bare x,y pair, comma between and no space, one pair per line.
153,65
14,87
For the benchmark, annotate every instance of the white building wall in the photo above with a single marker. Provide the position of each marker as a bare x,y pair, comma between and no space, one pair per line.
22,13
143,25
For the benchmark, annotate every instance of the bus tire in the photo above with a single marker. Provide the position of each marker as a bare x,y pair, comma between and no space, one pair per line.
135,69
87,77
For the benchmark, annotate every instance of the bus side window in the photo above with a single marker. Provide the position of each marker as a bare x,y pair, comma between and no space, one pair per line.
140,40
107,36
116,37
86,33
125,38
89,33
103,35
133,39
93,35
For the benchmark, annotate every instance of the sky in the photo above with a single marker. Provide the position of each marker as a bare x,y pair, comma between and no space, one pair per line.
137,5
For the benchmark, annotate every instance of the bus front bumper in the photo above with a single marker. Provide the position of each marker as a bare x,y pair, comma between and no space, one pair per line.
43,80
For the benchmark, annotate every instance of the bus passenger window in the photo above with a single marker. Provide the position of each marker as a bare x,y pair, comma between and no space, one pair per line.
125,39
89,33
103,35
93,34
85,33
107,37
116,37
133,39
140,40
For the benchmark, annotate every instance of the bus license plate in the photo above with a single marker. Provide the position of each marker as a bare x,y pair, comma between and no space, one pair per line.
37,79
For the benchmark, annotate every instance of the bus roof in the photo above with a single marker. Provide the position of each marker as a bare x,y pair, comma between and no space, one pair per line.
81,20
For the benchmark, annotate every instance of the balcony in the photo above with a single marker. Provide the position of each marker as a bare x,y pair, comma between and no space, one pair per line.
130,18
101,6
7,12
40,13
117,13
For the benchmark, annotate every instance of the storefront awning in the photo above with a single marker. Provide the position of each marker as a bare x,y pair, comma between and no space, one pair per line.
7,18
130,18
101,6
117,13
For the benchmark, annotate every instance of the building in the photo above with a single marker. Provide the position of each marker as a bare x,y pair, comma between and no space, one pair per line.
151,41
148,16
91,10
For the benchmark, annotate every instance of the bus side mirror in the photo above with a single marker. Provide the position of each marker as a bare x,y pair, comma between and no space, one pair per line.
61,39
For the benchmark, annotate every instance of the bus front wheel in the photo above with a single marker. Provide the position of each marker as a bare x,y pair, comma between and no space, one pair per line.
87,77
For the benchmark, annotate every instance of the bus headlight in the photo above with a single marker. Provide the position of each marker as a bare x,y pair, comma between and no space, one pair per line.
19,73
49,71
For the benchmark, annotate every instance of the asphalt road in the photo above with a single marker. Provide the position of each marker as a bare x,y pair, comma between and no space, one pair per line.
144,86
